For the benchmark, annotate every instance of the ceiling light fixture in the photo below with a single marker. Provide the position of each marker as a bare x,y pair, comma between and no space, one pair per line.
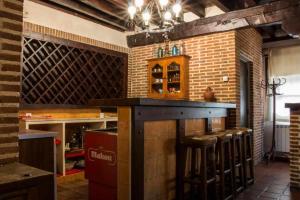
155,15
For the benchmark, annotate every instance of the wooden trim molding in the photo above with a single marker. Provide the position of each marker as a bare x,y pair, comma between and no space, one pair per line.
30,28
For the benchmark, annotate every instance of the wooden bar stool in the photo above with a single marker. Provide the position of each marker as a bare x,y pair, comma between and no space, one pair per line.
248,160
224,165
201,179
237,160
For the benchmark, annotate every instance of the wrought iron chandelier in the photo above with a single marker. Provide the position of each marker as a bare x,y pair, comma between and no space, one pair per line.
155,15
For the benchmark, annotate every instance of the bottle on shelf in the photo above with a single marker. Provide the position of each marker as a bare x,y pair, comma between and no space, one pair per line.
160,52
175,50
181,48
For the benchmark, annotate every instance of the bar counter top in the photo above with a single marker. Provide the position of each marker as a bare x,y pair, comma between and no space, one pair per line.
158,102
293,106
33,134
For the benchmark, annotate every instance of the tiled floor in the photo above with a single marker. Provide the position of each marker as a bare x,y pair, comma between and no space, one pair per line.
272,182
72,187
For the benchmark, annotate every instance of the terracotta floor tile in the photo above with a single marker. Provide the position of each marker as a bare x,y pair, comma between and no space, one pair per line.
271,182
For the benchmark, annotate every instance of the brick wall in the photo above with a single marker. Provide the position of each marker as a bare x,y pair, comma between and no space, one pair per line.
294,150
249,47
11,17
212,57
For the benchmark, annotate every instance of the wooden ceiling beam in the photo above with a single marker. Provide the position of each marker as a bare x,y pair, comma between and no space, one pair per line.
104,6
251,17
281,43
123,4
79,7
196,7
249,3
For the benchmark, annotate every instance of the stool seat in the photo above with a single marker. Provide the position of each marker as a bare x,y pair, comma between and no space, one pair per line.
244,130
199,140
222,135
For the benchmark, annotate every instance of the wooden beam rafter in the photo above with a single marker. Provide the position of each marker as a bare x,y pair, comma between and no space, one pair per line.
196,7
278,11
105,6
80,8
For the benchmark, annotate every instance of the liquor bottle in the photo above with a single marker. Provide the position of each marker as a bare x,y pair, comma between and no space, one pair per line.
181,48
160,52
174,50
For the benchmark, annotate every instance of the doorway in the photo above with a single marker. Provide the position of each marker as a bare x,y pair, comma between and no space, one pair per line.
245,93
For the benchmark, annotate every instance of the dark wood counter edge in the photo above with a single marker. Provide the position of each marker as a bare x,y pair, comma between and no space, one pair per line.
293,106
16,172
169,57
32,134
158,102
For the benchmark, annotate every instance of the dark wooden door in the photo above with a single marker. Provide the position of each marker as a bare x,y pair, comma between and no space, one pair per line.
244,94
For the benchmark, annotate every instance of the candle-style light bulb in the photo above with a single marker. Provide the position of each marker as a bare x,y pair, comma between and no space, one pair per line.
163,3
167,16
177,9
146,17
131,11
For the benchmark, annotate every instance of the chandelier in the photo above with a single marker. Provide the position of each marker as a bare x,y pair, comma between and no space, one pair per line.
155,15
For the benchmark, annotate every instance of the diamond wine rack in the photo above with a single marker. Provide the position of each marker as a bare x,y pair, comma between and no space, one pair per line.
58,71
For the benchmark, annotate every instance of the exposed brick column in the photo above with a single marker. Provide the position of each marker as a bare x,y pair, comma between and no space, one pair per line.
11,23
295,150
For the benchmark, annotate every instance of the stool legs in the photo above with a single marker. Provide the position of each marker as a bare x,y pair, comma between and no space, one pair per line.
203,174
193,169
225,170
248,160
237,164
202,180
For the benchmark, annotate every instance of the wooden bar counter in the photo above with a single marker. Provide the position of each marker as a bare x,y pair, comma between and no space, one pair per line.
148,130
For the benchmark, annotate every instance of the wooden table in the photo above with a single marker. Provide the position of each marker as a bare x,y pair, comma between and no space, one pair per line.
148,131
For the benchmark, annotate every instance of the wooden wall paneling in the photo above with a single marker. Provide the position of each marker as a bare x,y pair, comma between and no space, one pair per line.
58,71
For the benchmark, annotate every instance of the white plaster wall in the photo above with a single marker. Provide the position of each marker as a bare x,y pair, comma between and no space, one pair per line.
284,61
213,11
45,16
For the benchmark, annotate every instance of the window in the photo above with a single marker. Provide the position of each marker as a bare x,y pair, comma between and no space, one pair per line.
285,62
290,94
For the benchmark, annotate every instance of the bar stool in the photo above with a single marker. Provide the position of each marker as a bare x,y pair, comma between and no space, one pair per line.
224,164
248,161
204,178
237,160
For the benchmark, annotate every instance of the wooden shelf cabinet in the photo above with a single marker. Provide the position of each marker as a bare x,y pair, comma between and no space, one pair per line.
63,127
168,77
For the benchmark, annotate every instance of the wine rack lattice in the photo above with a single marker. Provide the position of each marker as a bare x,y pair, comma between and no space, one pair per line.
57,71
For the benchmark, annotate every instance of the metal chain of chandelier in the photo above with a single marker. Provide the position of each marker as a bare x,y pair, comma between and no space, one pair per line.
142,14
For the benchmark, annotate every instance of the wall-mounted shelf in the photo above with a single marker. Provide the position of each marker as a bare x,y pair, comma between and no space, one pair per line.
168,77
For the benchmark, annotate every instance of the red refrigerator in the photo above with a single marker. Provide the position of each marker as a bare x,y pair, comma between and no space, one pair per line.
101,163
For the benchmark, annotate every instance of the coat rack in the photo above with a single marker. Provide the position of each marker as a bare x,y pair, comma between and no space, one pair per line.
276,82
